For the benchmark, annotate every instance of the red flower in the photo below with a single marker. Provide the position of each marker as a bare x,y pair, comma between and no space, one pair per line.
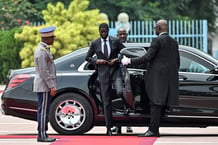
19,20
27,22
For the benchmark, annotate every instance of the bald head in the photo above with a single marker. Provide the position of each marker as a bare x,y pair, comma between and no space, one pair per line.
161,26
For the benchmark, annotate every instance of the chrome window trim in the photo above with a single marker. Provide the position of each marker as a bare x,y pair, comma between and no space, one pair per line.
81,68
205,74
75,74
186,116
202,58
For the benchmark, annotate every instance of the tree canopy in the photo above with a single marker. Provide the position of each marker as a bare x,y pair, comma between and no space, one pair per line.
15,10
16,13
160,9
75,27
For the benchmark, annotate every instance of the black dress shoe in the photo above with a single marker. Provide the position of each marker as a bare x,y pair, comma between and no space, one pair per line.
150,134
109,133
47,139
129,129
116,129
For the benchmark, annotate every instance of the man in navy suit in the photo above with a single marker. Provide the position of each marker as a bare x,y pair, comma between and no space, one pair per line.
107,50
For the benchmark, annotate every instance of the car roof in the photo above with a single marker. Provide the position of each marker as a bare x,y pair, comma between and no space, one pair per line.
81,51
199,52
181,47
144,45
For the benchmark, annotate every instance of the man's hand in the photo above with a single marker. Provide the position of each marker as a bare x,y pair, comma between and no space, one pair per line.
101,61
125,60
113,61
53,91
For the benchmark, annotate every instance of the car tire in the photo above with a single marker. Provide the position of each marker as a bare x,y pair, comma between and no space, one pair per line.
70,114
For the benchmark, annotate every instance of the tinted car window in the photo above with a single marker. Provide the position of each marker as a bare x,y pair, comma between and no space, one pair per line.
192,63
71,61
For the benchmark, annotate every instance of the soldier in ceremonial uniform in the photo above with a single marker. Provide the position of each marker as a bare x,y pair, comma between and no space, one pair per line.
44,81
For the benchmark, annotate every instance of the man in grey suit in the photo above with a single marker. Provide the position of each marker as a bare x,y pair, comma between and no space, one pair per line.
107,49
122,35
162,75
44,81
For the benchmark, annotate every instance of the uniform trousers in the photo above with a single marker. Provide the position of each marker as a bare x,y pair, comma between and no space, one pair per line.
44,101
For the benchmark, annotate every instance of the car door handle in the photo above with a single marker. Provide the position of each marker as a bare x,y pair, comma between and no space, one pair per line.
182,78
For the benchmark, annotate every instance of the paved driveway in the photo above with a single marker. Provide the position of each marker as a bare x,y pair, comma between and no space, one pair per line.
13,126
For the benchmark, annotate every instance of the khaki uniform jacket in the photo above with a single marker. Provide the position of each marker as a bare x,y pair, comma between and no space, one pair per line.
45,69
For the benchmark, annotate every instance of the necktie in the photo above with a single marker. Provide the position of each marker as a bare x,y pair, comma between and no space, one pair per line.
105,49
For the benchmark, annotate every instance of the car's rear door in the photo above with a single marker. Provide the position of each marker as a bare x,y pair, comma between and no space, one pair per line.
198,88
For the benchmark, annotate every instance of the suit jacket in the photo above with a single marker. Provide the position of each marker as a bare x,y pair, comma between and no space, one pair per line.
105,72
45,69
162,75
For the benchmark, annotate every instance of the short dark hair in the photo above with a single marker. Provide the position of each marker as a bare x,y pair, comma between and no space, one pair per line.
104,25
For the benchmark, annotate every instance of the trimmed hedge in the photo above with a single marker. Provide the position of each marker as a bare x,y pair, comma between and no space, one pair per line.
9,52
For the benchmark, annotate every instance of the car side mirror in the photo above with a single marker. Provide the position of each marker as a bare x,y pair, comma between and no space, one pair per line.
214,70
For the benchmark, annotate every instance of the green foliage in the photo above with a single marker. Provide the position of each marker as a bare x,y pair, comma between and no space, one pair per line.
9,58
203,9
160,9
165,9
16,13
75,28
42,5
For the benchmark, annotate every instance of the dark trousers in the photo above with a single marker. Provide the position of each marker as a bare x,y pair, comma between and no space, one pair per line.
107,106
44,101
156,114
106,96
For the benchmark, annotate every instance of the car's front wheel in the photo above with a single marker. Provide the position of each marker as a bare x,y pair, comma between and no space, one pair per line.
71,113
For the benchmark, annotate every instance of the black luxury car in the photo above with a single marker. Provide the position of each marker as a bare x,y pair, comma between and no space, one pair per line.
77,106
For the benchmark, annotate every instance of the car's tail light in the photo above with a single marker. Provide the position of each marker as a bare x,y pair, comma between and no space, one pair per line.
17,80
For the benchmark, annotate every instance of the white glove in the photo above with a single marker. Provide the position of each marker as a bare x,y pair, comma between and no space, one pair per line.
125,60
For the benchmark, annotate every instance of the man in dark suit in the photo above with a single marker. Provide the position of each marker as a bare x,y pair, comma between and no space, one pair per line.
106,49
162,75
122,35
